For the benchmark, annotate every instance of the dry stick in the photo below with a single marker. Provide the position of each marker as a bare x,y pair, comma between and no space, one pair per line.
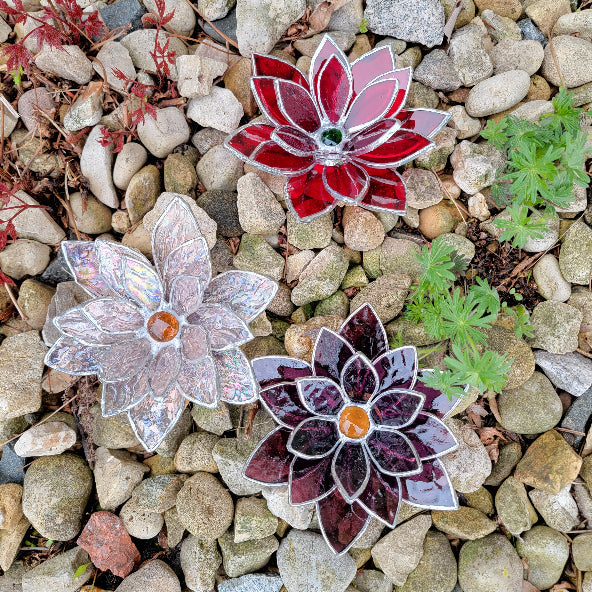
1,131
460,210
228,39
15,303
555,58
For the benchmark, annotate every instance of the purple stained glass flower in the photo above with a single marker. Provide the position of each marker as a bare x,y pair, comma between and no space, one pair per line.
358,433
160,336
339,135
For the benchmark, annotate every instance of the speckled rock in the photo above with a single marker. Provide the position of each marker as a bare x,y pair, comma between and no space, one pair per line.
573,56
200,561
142,192
220,109
259,211
69,62
161,135
114,55
559,510
575,256
315,234
195,453
469,56
579,22
362,230
24,257
140,523
90,215
551,284
464,523
513,506
386,294
179,174
95,164
437,71
154,575
256,254
570,372
510,54
111,432
252,520
278,503
219,169
556,327
242,558
34,299
423,189
498,93
465,125
52,437
476,166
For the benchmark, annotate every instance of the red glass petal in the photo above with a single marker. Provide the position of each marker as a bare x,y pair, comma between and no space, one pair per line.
265,65
371,137
331,352
307,195
265,94
270,370
294,140
426,122
359,379
397,368
351,468
371,65
364,331
334,89
297,105
324,51
271,460
404,79
314,438
283,403
386,192
396,409
393,453
430,437
310,480
430,489
341,522
400,148
372,104
382,496
346,182
436,402
279,161
321,395
246,139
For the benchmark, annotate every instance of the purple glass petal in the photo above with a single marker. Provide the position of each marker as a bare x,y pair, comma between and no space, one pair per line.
283,403
191,258
393,453
271,460
223,327
397,368
74,323
314,438
164,369
430,489
351,469
266,65
310,480
245,293
372,64
124,360
341,522
333,89
382,496
113,315
430,437
347,182
186,294
194,342
396,408
270,370
436,402
324,51
142,284
359,379
294,140
152,418
372,104
120,396
321,395
83,264
72,357
423,121
235,378
364,331
331,352
198,382
297,105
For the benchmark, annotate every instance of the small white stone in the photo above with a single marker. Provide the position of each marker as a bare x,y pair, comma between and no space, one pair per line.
24,257
114,55
220,110
140,523
5,30
129,161
46,439
218,168
465,125
183,21
70,63
498,93
551,285
478,207
196,75
95,164
279,505
296,264
163,134
259,212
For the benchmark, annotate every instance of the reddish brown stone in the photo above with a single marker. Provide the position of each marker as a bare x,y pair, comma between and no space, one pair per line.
109,545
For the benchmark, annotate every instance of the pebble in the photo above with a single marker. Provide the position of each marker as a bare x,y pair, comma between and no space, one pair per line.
362,230
252,583
114,55
549,238
174,529
556,326
238,80
11,466
582,551
226,26
179,174
558,510
513,507
123,13
577,418
220,110
399,255
86,110
465,125
464,523
154,575
252,520
161,135
241,558
142,192
29,105
256,254
500,27
11,116
214,9
195,453
539,89
573,56
222,207
47,439
436,159
498,93
140,523
90,215
315,234
278,503
11,511
579,22
307,563
437,71
57,516
159,493
550,283
570,372
217,420
508,8
200,561
111,432
386,295
372,580
469,56
297,263
510,54
476,166
575,256
481,500
183,20
70,63
219,169
545,13
128,162
490,563
439,219
478,207
207,138
11,541
259,211
423,189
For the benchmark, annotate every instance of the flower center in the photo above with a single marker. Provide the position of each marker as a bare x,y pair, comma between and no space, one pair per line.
163,326
331,137
354,422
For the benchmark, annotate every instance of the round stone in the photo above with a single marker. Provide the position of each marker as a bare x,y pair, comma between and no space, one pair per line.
331,137
163,326
354,422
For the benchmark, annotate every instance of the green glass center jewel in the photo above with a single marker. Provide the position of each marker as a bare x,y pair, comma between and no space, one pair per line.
331,137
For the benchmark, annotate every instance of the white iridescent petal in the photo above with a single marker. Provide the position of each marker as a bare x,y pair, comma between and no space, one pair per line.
120,396
82,262
186,294
194,342
113,315
72,357
225,330
245,293
191,258
164,369
199,383
235,377
142,284
74,323
124,360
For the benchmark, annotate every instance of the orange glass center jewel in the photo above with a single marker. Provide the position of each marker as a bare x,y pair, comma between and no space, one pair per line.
354,422
163,326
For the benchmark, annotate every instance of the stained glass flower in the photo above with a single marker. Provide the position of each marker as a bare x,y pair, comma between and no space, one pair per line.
339,135
358,432
159,336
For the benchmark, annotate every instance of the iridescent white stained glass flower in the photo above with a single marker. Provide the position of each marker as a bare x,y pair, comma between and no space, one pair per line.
160,336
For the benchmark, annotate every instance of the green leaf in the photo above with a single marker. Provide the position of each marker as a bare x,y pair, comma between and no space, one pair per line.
436,267
486,297
446,382
81,570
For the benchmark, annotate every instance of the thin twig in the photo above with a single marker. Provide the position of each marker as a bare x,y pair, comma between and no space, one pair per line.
15,303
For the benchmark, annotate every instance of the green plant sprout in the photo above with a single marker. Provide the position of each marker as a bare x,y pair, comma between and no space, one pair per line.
364,25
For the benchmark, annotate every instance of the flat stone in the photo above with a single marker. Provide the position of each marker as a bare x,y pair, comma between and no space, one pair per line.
183,20
34,299
315,234
161,135
195,453
123,12
423,189
154,575
216,420
256,254
23,258
69,62
95,164
252,520
114,55
252,583
510,54
551,285
86,110
278,503
53,437
386,294
219,169
200,561
159,493
220,110
11,466
559,510
139,523
90,215
498,93
242,558
464,523
142,192
577,418
11,511
513,507
11,540
129,161
259,211
437,71
545,13
556,327
571,372
575,256
572,55
33,105
468,55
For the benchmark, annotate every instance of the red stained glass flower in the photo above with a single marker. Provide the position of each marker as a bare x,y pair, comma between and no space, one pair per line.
358,433
339,135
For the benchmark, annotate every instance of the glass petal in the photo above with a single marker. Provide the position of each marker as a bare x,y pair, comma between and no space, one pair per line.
341,522
142,284
307,196
364,331
393,453
198,381
194,342
245,293
324,51
430,437
264,92
430,489
123,360
397,408
186,294
404,79
164,369
72,357
83,264
386,192
152,419
321,395
271,157
333,89
224,328
426,122
402,147
191,258
294,140
283,403
371,65
235,377
351,470
331,352
271,460
310,480
372,104
270,370
397,368
436,402
120,396
314,438
382,496
371,137
266,65
347,182
297,105
74,323
359,379
244,141
111,257
113,315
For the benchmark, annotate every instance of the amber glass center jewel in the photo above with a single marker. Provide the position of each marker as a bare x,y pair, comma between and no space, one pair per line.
354,422
163,326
